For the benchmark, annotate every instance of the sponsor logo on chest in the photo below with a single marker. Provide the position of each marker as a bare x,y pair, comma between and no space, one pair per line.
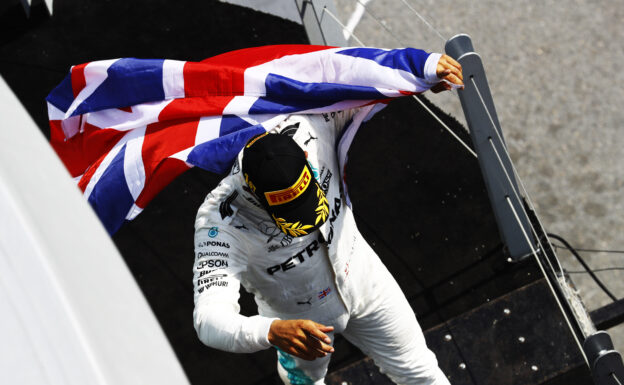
297,259
213,244
212,263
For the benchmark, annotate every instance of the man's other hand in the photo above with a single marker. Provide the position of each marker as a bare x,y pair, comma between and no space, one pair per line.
302,338
450,71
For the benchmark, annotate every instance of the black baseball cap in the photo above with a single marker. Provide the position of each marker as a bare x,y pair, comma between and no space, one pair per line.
277,171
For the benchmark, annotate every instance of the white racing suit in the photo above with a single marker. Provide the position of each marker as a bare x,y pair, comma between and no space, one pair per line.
330,276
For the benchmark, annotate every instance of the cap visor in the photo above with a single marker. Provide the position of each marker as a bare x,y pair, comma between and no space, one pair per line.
304,214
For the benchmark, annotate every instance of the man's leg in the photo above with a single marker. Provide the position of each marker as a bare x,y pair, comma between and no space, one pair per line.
387,331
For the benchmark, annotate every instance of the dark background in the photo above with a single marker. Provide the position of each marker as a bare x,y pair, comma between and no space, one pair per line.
418,196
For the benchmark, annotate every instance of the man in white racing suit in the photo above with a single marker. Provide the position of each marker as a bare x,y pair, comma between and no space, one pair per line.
279,225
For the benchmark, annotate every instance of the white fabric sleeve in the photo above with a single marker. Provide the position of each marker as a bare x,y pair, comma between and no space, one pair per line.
431,66
220,258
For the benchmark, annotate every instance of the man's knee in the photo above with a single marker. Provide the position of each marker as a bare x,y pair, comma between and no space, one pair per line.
416,366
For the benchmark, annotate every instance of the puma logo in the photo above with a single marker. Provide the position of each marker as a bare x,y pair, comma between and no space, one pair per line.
308,140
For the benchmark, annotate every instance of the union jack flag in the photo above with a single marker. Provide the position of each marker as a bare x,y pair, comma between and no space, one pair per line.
324,293
125,128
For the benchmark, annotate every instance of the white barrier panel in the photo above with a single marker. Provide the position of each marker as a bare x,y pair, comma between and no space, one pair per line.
71,312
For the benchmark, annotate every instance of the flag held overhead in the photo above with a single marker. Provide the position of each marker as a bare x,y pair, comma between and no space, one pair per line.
125,128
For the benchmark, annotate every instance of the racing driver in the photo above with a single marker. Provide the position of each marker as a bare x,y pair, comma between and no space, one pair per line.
279,224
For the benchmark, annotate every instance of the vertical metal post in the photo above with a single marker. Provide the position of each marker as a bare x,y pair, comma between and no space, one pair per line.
605,362
320,27
489,144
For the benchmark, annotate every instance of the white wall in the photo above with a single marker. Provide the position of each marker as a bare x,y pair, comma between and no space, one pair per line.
70,311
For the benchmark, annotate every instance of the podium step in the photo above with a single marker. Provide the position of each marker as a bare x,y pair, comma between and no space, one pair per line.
517,339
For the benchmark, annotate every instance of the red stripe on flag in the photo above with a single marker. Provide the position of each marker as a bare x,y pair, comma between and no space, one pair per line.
213,79
162,140
167,170
194,107
78,80
86,178
81,151
224,74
